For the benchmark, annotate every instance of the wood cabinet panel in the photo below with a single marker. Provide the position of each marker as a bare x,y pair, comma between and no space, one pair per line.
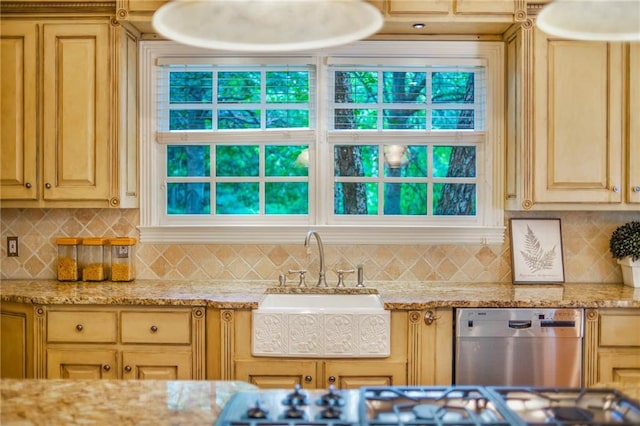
154,365
278,374
633,180
156,327
13,349
622,366
620,330
82,326
485,6
18,144
420,6
346,374
85,364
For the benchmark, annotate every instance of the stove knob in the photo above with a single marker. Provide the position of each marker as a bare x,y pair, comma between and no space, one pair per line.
294,413
257,412
331,412
297,397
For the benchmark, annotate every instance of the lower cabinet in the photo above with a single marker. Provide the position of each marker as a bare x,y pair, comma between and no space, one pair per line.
421,354
16,341
124,343
612,346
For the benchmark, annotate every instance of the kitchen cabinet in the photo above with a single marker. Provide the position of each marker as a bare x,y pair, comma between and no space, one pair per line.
129,343
569,106
421,353
632,187
16,341
612,346
68,113
418,7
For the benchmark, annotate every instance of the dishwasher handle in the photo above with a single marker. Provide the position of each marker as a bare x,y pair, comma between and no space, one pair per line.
519,324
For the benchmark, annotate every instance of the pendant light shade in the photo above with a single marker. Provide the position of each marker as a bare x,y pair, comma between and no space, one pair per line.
597,20
266,25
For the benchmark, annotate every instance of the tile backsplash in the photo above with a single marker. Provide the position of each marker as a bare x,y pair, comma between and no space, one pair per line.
585,246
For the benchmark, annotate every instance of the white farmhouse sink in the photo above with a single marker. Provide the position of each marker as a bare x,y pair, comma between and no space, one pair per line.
321,326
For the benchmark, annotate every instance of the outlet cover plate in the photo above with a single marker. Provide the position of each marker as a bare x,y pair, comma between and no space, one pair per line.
12,247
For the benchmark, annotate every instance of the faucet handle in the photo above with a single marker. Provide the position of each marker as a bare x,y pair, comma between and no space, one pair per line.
341,273
360,276
302,273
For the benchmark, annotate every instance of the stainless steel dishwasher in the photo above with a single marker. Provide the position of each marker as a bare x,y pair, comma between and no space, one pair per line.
519,346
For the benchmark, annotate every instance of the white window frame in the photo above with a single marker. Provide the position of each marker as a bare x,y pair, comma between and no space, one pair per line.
487,227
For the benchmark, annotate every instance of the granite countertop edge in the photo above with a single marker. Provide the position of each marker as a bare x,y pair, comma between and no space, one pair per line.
246,294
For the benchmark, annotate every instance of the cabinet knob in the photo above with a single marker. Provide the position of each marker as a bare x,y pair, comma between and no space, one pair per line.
28,185
332,379
47,185
308,379
636,188
127,368
106,367
154,328
430,317
615,188
79,327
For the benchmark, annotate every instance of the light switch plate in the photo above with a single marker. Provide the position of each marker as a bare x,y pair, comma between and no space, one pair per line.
12,247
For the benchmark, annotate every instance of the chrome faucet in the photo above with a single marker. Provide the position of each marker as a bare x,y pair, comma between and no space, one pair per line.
322,281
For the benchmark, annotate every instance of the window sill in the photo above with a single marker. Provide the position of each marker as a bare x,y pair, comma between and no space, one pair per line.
330,234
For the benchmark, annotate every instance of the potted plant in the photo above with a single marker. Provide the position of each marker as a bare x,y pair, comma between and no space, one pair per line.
625,247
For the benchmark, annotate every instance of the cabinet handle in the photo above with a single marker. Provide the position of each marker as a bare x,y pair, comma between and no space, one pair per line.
154,328
636,188
106,367
332,379
615,188
47,185
127,368
79,327
28,185
430,317
308,379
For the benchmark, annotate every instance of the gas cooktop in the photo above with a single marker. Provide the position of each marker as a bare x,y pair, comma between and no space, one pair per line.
431,405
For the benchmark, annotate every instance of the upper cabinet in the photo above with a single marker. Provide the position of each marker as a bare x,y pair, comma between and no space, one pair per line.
68,135
571,142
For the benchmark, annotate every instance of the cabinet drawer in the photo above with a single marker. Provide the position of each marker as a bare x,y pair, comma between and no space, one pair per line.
620,330
156,327
82,326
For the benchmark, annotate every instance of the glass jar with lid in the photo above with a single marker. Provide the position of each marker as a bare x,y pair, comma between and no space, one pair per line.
94,259
123,259
68,258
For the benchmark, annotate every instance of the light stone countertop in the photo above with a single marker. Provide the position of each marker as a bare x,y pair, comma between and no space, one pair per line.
247,294
114,402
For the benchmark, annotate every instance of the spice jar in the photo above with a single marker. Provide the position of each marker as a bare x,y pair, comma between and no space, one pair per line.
94,265
123,259
68,258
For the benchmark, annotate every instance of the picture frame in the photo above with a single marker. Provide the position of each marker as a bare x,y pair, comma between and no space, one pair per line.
536,251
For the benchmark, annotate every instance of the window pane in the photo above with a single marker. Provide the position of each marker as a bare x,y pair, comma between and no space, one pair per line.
359,119
454,199
237,160
452,87
287,87
239,87
356,87
405,87
454,161
354,198
190,160
238,119
188,198
359,160
404,119
287,198
405,198
190,119
448,119
286,160
287,118
190,87
405,161
237,198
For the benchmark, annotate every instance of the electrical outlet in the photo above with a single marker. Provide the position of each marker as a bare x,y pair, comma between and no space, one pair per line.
12,246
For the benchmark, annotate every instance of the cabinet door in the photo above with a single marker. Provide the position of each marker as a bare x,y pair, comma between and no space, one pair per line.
621,366
81,364
76,126
274,374
159,364
357,373
13,346
18,50
578,121
634,124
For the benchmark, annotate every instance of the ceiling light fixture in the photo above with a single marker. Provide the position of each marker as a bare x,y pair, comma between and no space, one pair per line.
267,25
597,20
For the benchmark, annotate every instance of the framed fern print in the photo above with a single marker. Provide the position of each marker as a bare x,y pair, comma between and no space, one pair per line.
536,251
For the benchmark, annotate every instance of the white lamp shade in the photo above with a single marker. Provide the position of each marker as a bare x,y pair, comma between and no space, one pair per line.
597,20
266,25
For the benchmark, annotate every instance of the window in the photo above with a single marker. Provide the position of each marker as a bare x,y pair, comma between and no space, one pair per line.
396,147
